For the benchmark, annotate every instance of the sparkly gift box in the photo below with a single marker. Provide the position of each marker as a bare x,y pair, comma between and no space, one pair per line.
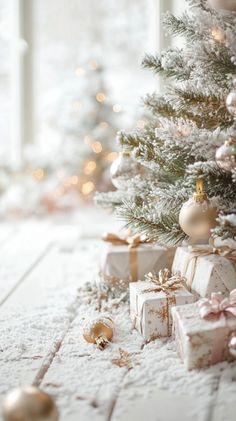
205,270
150,311
201,342
130,262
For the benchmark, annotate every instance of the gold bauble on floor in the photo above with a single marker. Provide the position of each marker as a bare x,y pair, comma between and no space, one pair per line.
29,404
99,332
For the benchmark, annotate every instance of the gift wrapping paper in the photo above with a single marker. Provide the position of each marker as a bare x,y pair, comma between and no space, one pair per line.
151,311
205,274
200,342
116,260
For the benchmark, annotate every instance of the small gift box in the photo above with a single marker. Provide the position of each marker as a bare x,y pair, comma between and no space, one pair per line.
207,269
151,302
203,330
131,258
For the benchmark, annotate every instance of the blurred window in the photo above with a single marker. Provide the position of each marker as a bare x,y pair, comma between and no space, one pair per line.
43,44
5,78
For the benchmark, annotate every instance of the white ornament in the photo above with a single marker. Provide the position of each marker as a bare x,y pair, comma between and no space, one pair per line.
231,103
123,169
232,345
226,155
223,4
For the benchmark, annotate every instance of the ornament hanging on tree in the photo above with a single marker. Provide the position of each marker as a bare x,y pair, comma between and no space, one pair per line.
99,332
231,102
198,215
31,404
123,169
232,345
223,4
226,155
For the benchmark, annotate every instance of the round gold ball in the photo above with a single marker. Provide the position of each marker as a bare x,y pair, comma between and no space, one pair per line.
29,404
232,345
198,218
102,327
226,156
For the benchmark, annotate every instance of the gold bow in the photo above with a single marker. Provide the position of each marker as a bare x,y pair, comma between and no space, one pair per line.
132,241
164,282
196,252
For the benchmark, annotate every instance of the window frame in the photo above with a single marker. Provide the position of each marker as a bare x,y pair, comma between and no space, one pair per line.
23,123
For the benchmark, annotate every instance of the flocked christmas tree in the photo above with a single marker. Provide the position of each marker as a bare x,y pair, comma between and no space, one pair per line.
180,144
89,119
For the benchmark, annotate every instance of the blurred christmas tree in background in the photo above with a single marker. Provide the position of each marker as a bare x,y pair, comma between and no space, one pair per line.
58,175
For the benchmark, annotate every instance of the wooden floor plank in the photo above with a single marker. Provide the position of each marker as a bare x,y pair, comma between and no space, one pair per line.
41,324
18,257
6,232
225,403
142,403
35,318
84,380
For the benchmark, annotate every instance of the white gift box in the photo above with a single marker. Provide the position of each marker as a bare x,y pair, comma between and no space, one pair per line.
201,342
205,274
151,311
116,260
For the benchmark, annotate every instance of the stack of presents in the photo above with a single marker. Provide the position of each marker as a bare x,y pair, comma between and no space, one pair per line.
188,292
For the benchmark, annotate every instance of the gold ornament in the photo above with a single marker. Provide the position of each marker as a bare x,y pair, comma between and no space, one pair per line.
232,345
223,4
29,404
231,103
226,155
99,332
123,169
198,215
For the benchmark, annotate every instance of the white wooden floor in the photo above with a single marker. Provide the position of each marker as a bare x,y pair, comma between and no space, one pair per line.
41,267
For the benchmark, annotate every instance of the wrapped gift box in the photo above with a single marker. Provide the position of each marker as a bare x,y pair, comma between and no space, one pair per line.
131,263
150,310
205,272
201,342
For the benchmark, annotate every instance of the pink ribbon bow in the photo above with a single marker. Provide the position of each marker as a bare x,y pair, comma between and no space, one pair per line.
218,305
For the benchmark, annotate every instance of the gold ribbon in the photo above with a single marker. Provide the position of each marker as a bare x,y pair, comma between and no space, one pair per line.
133,242
164,282
196,252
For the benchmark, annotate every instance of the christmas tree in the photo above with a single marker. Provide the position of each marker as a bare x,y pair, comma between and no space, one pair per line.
180,144
56,174
89,119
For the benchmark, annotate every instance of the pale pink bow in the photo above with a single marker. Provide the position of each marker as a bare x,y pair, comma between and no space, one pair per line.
218,305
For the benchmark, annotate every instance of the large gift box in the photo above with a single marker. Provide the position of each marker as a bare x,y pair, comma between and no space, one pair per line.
151,302
132,257
203,330
207,269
